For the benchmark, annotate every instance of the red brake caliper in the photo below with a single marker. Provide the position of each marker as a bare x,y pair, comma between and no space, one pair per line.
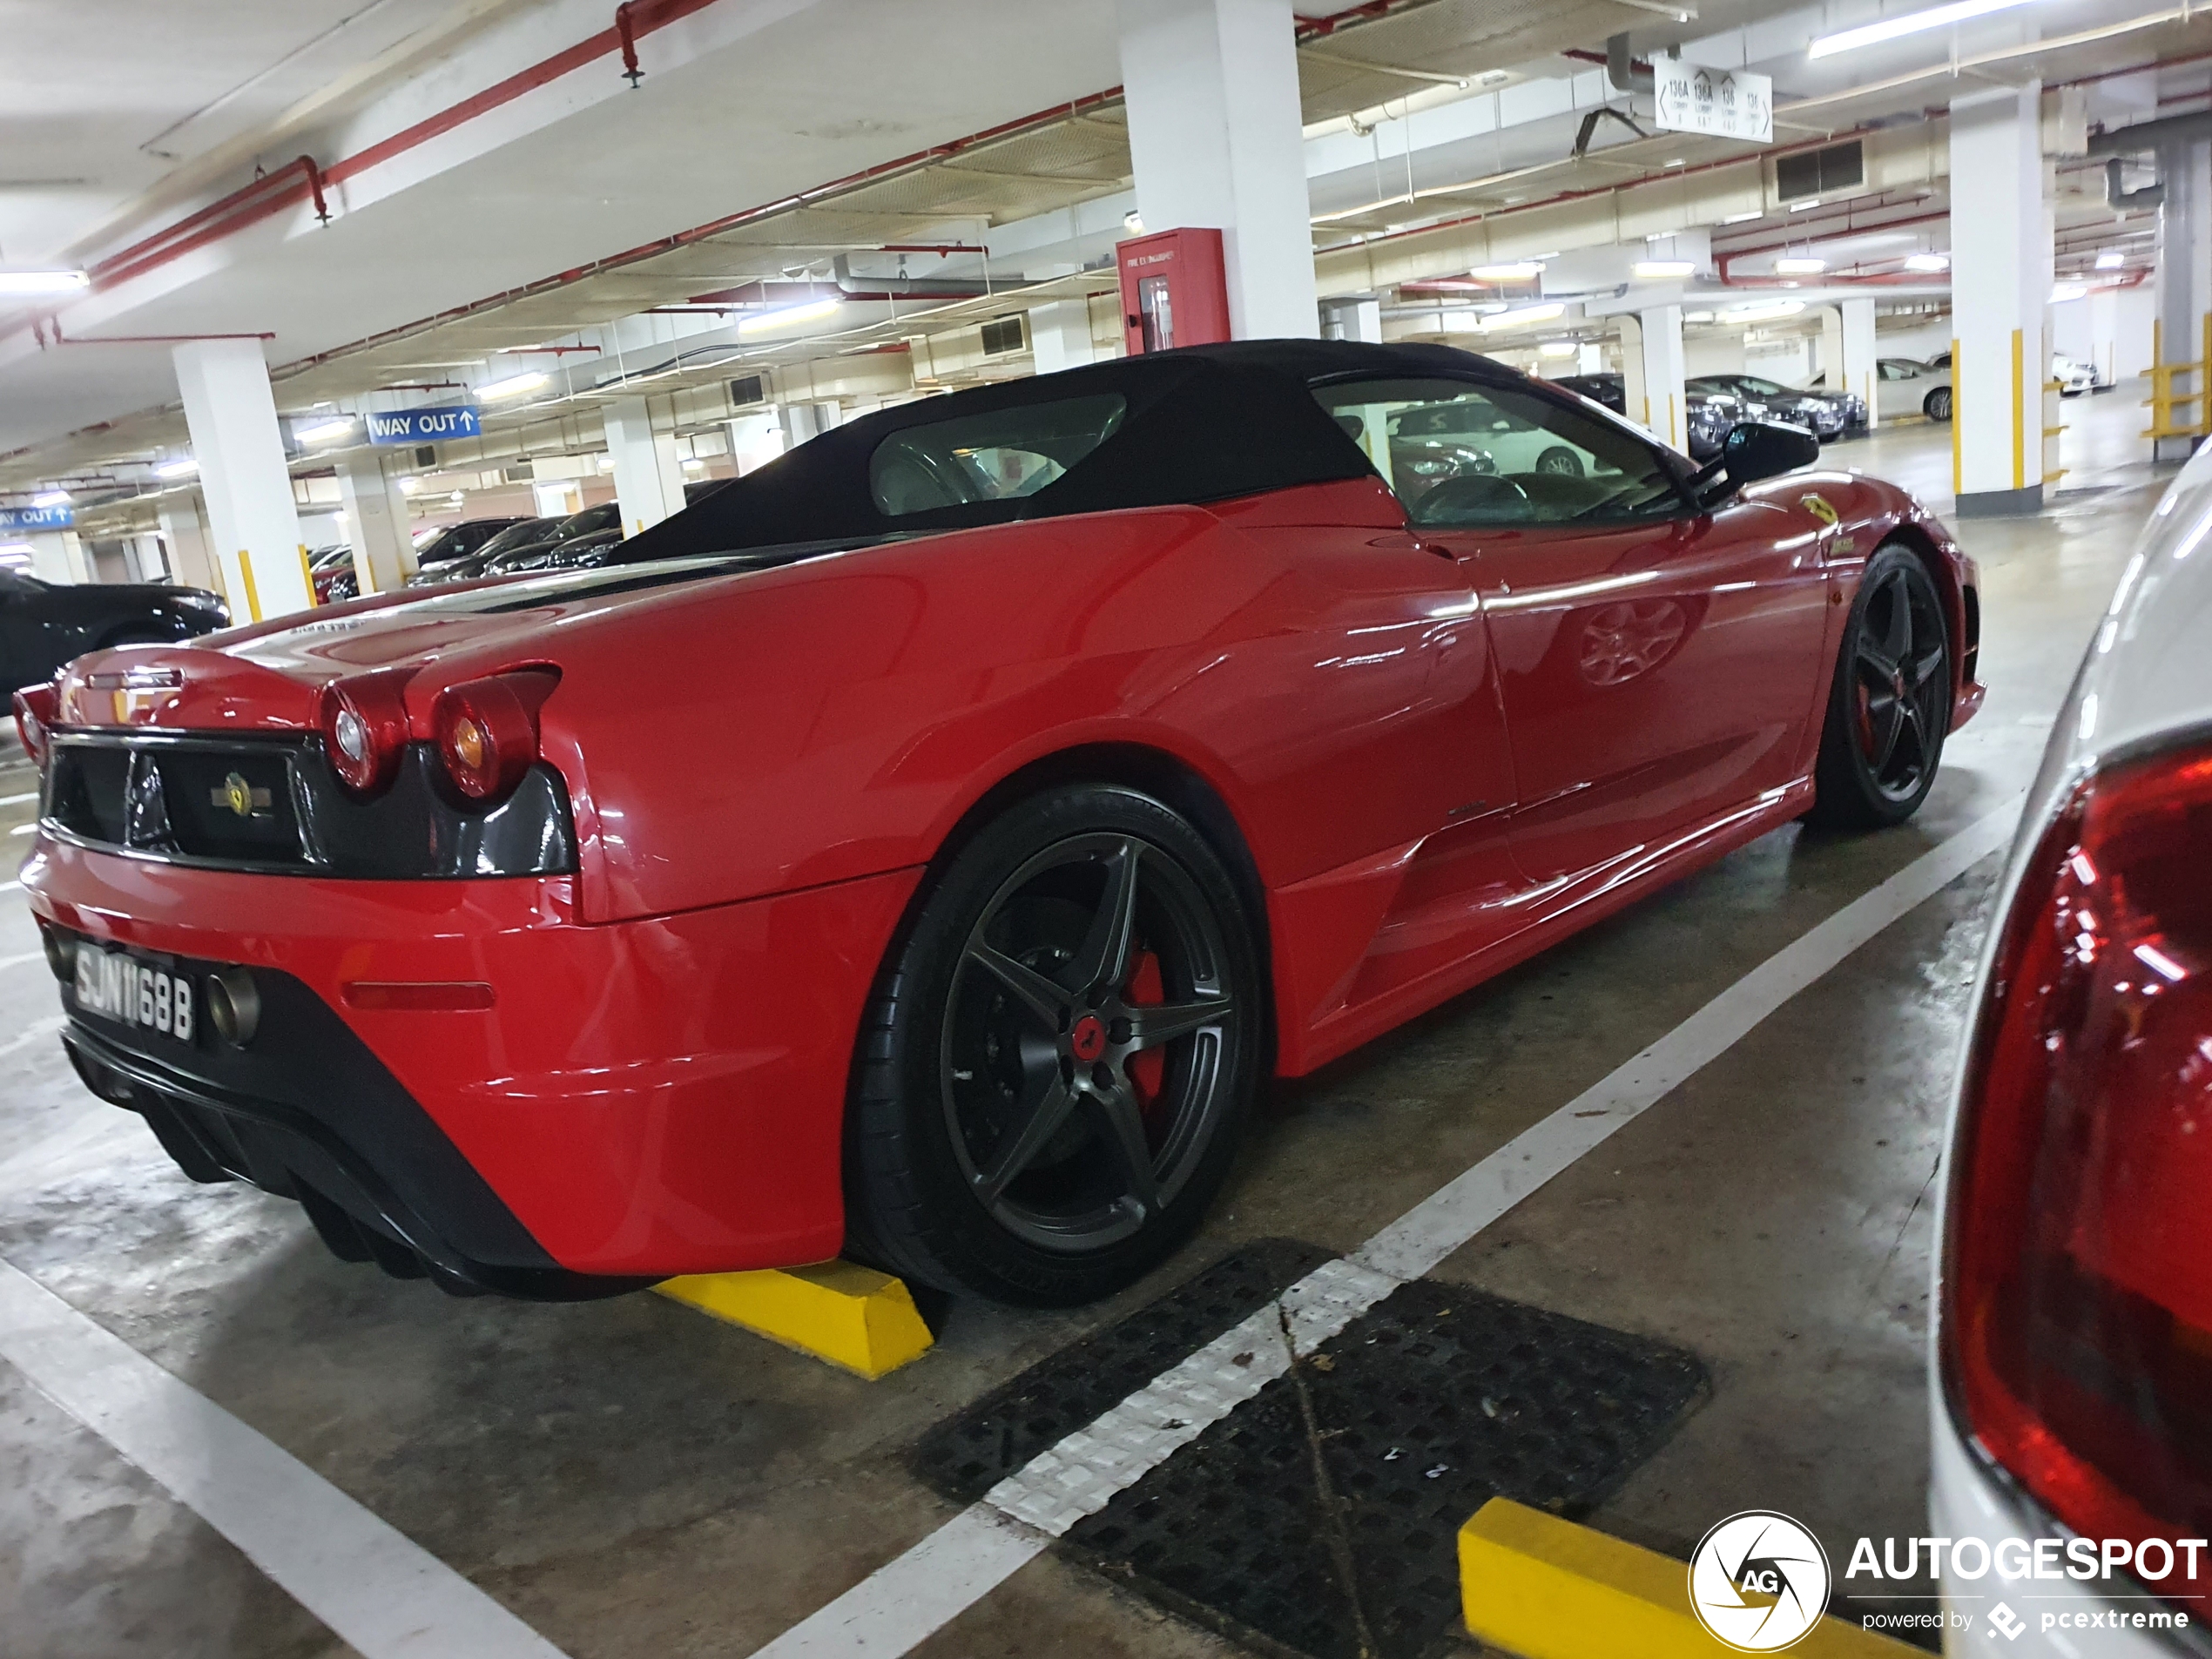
1146,990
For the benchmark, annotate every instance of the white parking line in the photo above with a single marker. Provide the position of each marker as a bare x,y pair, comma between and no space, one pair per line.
381,1593
908,1599
7,962
18,800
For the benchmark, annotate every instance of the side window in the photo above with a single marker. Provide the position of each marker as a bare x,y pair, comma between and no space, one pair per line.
1008,454
1463,455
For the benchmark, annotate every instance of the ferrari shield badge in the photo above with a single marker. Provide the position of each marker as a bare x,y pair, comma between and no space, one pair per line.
240,797
1819,508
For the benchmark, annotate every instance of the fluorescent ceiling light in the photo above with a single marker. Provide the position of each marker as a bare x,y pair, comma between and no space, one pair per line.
181,468
514,385
813,311
41,281
1697,316
1559,348
1521,271
1764,311
1912,23
691,463
52,498
1738,218
1649,269
17,550
323,431
1926,262
1799,265
1804,206
1522,316
2062,292
2111,259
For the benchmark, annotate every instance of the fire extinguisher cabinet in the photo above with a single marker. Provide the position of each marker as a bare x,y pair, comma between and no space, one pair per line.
1175,290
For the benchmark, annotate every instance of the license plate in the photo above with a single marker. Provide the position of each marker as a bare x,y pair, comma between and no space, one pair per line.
135,993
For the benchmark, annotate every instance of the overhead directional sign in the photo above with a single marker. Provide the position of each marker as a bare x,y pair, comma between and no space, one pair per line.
1719,102
422,426
15,521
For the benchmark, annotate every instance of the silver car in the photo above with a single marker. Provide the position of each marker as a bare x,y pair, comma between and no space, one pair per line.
2073,1343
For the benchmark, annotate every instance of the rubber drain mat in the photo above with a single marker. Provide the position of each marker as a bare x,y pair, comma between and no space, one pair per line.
1436,1400
967,1456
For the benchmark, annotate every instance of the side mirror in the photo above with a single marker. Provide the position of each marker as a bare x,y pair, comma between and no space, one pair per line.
1757,449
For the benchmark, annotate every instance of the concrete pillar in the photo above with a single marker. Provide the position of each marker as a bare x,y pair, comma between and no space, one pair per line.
1060,336
1847,350
377,521
755,440
231,417
1632,397
1664,398
2184,272
649,476
1589,358
59,557
805,421
184,532
1211,88
2000,287
1353,320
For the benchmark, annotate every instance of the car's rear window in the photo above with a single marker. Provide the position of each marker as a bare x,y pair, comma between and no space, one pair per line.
1007,454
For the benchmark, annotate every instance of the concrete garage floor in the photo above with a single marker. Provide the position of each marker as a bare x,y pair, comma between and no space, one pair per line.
632,1479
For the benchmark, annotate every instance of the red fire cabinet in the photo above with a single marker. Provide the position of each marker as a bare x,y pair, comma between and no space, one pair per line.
1175,290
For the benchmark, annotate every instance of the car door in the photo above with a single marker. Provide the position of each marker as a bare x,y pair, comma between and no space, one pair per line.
1657,664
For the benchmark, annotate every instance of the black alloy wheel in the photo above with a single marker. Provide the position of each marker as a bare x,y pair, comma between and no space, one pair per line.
1889,708
1058,1063
1936,405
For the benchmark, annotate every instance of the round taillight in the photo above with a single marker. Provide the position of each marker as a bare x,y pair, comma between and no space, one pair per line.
34,707
487,732
364,728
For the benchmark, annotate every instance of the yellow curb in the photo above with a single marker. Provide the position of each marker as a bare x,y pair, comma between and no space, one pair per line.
1546,1588
851,1315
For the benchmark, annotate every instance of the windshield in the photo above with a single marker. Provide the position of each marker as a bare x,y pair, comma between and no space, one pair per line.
1460,453
530,530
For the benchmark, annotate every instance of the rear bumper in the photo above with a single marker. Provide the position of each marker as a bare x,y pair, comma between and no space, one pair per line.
643,1098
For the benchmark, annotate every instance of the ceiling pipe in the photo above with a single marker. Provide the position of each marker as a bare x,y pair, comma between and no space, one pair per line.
269,193
902,288
1626,74
2118,195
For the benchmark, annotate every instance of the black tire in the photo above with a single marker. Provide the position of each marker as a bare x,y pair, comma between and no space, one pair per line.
1560,461
1936,405
992,1143
1889,703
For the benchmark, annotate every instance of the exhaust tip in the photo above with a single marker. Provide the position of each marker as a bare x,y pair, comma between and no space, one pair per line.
234,1006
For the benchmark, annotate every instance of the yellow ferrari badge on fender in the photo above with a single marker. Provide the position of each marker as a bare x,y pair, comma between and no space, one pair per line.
1818,507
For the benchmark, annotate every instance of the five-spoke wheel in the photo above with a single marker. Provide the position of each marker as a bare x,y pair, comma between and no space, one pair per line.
1062,1055
1889,708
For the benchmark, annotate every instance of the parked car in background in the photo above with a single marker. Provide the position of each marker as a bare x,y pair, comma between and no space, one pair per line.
44,624
584,552
325,566
2073,378
464,566
458,540
1825,415
521,545
2072,1394
1906,386
1708,420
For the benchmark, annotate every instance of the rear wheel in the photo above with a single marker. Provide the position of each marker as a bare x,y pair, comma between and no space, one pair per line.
1055,1067
1890,706
1560,461
1936,405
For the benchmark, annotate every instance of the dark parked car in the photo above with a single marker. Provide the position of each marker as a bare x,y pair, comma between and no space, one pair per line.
1708,416
326,568
524,547
42,626
1825,415
578,553
458,540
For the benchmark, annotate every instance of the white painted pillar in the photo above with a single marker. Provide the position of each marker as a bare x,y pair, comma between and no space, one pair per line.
2000,287
1589,358
1632,396
59,557
1211,87
805,421
184,532
1060,336
2184,271
231,417
1859,370
377,521
1665,399
1353,319
649,477
755,440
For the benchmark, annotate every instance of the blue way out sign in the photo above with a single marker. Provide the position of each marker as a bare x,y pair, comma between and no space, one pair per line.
422,426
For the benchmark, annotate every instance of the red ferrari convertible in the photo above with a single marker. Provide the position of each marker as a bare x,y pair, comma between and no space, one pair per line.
928,844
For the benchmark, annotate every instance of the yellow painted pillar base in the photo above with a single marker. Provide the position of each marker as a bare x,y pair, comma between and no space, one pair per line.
851,1315
1545,1588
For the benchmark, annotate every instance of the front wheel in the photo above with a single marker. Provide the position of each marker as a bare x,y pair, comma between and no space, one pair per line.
1559,462
1890,705
1936,405
1055,1067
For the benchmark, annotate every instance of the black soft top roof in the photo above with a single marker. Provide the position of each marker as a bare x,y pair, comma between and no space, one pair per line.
1204,423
